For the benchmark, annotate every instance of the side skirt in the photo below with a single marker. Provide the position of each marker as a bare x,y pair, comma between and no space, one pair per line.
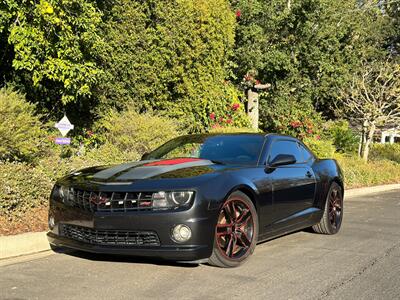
295,222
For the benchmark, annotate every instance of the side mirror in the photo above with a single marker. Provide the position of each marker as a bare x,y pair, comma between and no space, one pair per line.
282,160
144,156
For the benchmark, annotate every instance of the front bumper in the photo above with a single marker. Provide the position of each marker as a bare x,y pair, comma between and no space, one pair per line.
200,220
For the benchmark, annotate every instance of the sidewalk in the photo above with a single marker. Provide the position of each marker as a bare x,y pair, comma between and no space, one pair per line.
34,242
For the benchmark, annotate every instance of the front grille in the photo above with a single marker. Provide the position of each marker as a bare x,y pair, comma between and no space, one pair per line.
109,237
109,201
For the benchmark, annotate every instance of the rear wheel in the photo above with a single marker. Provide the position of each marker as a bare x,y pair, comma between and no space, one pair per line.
333,213
236,232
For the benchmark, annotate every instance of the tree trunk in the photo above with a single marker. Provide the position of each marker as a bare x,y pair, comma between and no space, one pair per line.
361,143
368,141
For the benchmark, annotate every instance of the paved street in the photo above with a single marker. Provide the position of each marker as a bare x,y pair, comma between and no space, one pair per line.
362,262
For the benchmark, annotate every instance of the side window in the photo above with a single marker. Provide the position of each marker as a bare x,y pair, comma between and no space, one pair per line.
307,155
286,147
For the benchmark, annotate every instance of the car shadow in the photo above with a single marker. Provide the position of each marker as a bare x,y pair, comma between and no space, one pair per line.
124,258
307,230
148,260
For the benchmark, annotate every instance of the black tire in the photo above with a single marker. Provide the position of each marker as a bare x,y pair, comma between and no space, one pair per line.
235,233
332,218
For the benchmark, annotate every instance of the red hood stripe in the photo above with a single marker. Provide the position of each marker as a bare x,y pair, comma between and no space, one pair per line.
169,162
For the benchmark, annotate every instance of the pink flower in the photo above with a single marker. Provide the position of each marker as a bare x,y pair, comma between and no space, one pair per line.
238,13
318,137
309,131
229,121
235,106
212,116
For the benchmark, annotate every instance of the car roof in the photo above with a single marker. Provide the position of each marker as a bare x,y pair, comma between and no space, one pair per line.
273,135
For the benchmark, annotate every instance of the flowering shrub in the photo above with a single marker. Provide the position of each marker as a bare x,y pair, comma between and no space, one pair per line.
227,111
233,116
288,116
87,139
301,127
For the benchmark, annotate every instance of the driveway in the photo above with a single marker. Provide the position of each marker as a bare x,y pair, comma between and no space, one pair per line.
361,262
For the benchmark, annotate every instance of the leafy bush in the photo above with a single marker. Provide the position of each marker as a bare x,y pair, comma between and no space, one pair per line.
358,173
51,47
321,148
385,151
23,187
169,56
288,116
131,134
344,138
221,129
21,134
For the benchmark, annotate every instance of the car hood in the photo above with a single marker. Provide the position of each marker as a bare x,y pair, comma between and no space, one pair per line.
149,169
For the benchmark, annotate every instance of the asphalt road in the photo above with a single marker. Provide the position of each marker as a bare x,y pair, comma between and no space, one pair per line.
361,262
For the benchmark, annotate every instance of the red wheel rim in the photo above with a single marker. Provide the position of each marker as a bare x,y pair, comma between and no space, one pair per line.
335,208
234,233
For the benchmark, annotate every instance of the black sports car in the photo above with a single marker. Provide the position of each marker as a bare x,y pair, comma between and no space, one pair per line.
199,198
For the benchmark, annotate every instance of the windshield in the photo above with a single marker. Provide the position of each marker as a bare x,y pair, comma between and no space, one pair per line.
237,149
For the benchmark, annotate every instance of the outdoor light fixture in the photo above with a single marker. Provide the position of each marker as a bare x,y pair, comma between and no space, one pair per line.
171,199
181,233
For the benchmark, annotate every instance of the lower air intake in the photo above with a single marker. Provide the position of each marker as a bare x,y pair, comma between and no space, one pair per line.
110,237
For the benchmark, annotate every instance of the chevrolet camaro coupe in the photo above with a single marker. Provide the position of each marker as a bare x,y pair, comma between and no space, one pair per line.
198,198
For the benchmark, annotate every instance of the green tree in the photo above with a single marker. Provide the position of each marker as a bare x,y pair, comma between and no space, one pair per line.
306,49
169,56
372,100
47,48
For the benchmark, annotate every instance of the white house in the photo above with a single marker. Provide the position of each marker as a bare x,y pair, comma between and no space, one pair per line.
391,135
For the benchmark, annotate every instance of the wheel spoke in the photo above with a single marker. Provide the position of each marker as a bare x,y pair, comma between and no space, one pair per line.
230,211
244,218
233,245
223,229
334,221
228,246
332,201
244,239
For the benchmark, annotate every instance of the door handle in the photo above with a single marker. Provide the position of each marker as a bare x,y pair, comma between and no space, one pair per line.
308,174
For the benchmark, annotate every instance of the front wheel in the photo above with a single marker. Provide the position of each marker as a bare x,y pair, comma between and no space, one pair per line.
236,231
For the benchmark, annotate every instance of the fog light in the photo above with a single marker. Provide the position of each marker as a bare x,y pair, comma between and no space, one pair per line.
51,222
181,233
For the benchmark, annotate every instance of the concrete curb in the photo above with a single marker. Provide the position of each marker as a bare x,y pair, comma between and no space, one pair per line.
370,190
23,244
34,242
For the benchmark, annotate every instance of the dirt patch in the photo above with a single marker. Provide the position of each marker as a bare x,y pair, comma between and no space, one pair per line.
33,221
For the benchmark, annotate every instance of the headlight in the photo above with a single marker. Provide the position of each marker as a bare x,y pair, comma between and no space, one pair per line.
56,193
60,193
172,199
181,198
